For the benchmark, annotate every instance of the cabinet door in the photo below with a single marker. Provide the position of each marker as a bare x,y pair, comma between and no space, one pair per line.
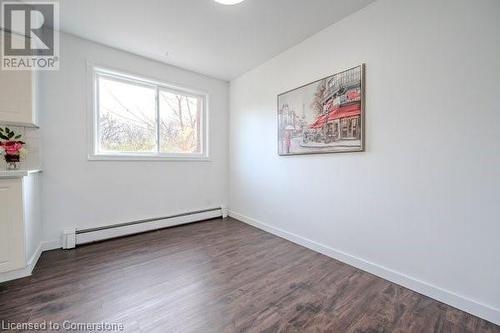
17,90
12,250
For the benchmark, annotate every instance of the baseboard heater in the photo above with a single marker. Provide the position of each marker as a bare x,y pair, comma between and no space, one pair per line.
73,237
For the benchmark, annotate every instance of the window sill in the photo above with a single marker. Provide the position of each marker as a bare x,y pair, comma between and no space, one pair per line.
148,158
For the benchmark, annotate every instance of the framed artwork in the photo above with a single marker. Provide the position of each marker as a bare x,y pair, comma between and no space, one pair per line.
325,116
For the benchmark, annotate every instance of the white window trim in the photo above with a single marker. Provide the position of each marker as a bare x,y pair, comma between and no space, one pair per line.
94,155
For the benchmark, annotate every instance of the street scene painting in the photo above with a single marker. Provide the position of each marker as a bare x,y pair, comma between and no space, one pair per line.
325,116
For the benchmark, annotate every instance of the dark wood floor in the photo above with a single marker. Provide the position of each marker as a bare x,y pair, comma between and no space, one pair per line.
220,276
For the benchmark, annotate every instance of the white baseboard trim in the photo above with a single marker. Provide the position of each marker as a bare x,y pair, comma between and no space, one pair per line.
23,272
448,297
26,271
119,231
34,258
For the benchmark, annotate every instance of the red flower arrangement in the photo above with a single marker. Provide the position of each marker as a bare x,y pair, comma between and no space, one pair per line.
11,147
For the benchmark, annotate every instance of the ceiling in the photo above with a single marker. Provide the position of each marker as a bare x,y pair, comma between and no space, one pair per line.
201,35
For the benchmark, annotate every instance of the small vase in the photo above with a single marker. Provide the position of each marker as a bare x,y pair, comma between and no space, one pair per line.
13,166
12,162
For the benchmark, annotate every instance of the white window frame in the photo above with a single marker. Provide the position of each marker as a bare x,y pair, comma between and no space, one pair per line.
96,155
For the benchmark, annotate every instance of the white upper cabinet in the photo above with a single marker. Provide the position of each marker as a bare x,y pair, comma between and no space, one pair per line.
18,97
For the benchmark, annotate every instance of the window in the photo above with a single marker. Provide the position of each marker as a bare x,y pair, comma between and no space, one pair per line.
135,118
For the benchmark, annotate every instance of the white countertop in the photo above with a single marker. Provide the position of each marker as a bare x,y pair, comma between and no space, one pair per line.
17,173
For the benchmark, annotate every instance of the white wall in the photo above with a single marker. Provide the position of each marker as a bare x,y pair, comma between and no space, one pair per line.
81,193
420,206
33,224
